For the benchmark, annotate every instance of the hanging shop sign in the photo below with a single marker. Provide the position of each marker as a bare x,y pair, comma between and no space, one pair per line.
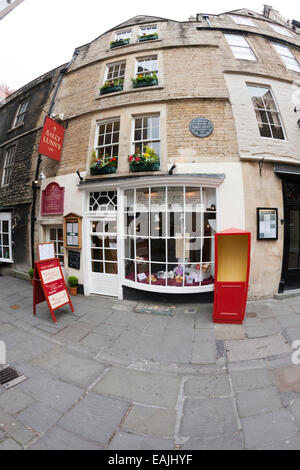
51,139
49,285
201,127
53,200
267,223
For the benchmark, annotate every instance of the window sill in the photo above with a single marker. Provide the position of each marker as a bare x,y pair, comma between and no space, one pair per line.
137,43
134,90
14,128
6,260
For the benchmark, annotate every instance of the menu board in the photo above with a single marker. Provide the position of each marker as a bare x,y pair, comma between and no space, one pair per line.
46,251
49,285
267,224
74,259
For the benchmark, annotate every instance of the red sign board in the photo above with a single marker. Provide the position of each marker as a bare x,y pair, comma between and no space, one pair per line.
52,139
53,199
49,285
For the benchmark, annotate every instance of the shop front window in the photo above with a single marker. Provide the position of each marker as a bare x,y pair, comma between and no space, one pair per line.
169,236
56,236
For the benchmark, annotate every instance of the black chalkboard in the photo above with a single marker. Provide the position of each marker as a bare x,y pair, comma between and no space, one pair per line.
74,259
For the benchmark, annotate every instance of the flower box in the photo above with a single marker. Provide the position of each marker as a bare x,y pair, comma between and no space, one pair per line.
143,167
103,170
148,37
111,89
123,42
145,83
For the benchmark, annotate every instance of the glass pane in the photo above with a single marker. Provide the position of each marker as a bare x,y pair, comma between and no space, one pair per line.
175,199
158,224
129,200
6,252
209,224
129,225
96,242
142,224
129,270
175,275
264,130
277,132
193,224
261,116
207,274
292,191
52,234
207,252
142,270
192,198
142,249
96,254
111,268
97,267
158,199
274,118
5,226
110,226
194,246
129,248
110,255
158,250
175,224
142,200
97,226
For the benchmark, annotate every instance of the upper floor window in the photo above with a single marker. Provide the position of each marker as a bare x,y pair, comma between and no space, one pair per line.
115,71
267,113
240,47
8,165
280,30
147,65
5,237
19,119
146,133
145,30
107,144
242,20
122,35
288,57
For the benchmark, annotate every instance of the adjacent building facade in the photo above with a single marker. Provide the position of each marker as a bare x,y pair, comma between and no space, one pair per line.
176,130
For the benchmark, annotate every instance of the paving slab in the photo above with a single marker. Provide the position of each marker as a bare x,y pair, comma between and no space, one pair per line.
150,420
268,427
141,387
14,400
223,331
95,417
39,417
128,441
287,379
58,438
74,332
10,444
231,442
242,350
70,368
250,379
208,418
260,401
203,352
212,385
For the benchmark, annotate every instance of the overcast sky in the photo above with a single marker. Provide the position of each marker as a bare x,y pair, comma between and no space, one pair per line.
40,35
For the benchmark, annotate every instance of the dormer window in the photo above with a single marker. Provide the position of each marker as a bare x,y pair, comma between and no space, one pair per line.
121,38
243,21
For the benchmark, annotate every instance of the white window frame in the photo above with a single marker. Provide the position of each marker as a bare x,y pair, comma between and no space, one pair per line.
10,153
243,21
150,140
56,227
280,30
287,57
241,45
151,29
5,216
112,144
146,59
122,35
115,65
266,111
20,114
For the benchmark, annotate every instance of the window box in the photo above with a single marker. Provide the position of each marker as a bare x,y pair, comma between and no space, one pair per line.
122,42
103,170
144,83
148,37
110,89
143,167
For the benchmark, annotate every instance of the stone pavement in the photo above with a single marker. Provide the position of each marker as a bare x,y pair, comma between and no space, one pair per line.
130,375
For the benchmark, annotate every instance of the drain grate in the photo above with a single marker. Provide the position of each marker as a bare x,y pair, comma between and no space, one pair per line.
9,377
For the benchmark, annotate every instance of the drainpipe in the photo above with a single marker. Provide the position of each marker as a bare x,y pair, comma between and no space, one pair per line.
36,179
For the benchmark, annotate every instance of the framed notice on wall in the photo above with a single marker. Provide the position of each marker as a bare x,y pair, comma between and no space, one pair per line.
46,251
267,223
72,231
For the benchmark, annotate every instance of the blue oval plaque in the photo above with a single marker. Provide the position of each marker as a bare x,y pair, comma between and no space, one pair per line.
201,127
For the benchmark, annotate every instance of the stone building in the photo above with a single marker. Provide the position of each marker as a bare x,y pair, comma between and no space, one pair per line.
21,118
176,130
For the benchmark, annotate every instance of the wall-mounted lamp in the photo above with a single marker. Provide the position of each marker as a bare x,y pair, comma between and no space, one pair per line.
79,176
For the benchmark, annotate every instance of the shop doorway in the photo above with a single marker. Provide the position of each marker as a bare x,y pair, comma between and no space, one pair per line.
291,257
103,256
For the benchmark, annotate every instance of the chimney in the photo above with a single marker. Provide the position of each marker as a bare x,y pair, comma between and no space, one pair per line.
274,15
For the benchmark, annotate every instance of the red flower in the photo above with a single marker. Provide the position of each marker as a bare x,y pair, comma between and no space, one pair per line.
130,158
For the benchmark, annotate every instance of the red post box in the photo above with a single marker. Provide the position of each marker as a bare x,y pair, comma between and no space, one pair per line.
232,258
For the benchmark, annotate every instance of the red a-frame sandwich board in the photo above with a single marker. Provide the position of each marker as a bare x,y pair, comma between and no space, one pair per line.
49,285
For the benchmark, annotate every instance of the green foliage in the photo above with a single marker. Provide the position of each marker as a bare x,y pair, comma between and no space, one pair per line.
31,272
73,281
144,78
